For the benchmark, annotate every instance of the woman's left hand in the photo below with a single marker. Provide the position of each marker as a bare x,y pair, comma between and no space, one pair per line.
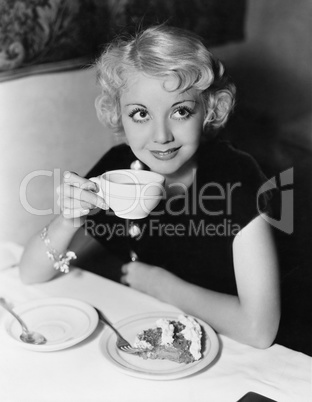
145,278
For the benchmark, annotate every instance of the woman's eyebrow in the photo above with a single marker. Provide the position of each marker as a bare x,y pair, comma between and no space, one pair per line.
136,104
184,100
175,104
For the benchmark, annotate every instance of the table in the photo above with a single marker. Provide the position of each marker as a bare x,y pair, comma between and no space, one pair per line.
82,374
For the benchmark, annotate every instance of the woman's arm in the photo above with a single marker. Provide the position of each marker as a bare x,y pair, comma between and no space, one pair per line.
76,198
35,266
253,316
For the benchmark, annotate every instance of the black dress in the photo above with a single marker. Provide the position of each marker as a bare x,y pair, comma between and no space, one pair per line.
191,235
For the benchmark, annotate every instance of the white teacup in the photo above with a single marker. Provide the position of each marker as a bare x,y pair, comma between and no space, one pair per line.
131,194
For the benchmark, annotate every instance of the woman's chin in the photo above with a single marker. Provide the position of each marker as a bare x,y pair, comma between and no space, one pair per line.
163,168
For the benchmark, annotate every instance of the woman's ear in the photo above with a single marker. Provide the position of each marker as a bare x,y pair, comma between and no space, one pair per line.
223,106
220,104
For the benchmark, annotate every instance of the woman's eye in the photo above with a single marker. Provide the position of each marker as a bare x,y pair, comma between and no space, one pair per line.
139,115
182,113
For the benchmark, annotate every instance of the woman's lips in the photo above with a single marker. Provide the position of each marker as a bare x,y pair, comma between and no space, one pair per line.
165,155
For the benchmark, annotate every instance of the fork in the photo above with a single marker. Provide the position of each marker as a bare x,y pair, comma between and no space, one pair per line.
121,343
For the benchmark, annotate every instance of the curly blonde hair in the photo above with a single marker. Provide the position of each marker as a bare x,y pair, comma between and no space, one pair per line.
162,51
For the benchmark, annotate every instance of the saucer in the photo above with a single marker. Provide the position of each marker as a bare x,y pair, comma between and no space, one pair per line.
64,322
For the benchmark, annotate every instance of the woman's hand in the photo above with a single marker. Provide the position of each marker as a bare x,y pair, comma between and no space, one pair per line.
149,279
77,196
252,316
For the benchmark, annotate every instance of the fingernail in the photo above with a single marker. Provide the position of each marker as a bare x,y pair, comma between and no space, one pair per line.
85,211
66,175
103,205
96,188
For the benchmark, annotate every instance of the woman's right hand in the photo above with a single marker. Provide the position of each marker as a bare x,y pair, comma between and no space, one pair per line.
77,197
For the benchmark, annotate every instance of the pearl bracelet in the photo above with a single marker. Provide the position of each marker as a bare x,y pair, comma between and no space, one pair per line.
61,261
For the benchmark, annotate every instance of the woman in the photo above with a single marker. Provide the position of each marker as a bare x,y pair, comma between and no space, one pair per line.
207,247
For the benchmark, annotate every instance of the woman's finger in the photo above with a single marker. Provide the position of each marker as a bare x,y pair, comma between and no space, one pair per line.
123,280
74,213
64,201
81,182
78,193
71,203
124,277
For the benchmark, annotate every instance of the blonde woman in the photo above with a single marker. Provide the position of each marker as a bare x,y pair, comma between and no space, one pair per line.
206,248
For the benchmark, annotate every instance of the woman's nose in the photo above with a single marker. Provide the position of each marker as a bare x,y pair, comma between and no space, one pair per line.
162,133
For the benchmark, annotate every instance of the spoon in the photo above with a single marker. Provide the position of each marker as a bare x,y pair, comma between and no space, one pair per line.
26,336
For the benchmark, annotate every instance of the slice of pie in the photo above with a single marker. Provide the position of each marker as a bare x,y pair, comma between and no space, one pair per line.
176,340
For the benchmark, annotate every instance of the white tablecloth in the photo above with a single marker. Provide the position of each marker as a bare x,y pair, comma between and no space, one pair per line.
82,373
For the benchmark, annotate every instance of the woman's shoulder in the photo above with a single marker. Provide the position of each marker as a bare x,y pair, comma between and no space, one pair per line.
239,176
225,162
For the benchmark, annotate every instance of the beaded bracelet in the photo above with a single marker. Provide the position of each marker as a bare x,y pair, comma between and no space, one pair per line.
61,261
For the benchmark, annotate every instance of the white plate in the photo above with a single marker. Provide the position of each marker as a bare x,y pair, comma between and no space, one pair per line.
136,366
63,322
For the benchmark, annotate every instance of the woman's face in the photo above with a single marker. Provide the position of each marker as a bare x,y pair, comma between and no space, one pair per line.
163,128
